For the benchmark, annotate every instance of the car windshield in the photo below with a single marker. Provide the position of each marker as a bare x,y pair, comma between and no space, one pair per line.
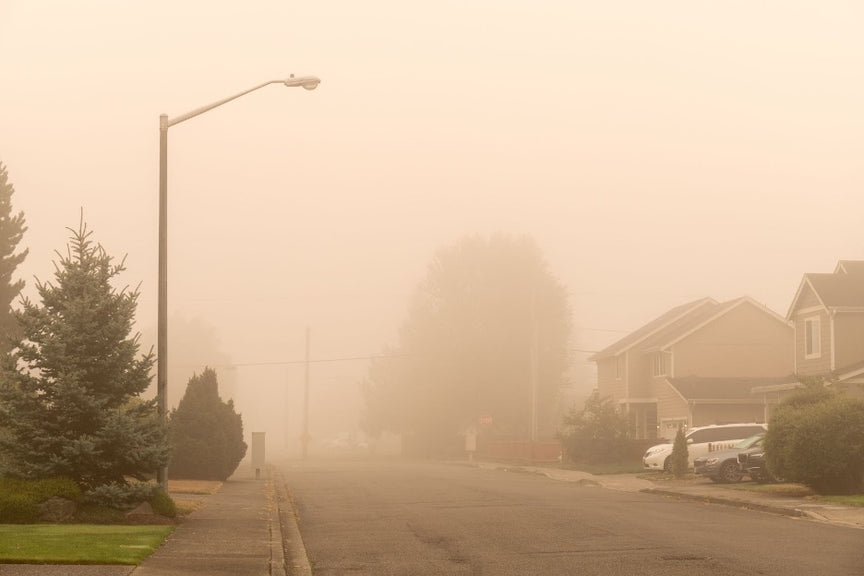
749,442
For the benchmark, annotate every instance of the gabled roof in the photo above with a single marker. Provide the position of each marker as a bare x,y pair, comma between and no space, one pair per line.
851,267
685,325
677,324
718,311
699,388
844,288
664,321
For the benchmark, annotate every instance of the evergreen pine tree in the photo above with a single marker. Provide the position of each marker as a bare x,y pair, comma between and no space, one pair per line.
12,230
680,455
206,433
70,392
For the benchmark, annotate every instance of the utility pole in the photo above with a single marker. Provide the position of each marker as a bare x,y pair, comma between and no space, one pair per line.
305,438
534,367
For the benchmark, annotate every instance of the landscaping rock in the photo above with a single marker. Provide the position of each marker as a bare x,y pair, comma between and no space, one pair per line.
57,509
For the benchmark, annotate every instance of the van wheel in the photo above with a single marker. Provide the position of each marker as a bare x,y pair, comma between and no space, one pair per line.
729,472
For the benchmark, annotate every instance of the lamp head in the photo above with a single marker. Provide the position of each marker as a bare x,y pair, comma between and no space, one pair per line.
307,82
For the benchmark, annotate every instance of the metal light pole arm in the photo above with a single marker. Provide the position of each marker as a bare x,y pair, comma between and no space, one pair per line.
308,82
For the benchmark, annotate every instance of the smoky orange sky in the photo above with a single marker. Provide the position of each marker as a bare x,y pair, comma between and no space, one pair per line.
657,152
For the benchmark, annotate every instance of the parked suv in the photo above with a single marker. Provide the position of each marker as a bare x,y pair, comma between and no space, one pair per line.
701,441
723,466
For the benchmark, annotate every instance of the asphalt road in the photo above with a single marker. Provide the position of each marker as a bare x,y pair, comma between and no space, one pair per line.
395,517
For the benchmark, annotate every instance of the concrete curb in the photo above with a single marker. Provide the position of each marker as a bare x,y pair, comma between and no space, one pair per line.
785,511
296,561
277,554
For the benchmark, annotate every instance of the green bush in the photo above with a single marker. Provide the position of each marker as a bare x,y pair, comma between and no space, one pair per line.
119,496
46,488
20,499
680,455
817,438
18,508
162,503
596,434
206,433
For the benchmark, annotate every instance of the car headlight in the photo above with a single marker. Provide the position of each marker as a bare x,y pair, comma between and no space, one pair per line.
710,461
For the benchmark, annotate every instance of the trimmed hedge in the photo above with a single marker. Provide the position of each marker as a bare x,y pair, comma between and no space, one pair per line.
20,499
163,504
817,439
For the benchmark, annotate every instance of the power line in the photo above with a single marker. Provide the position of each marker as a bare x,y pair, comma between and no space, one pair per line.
319,360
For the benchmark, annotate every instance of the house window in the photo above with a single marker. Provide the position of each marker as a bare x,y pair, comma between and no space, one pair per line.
659,364
812,338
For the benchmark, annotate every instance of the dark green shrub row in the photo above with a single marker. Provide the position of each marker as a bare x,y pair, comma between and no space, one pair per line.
604,450
163,504
128,496
20,499
817,438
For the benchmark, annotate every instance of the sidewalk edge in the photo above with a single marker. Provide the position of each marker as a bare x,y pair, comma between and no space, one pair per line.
296,561
786,511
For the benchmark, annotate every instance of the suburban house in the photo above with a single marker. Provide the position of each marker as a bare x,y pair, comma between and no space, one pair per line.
827,315
698,364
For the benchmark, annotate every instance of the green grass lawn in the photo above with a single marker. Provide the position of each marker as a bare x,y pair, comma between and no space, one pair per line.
79,543
849,500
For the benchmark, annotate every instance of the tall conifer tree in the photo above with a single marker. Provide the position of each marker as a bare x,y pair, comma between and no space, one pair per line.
12,230
69,393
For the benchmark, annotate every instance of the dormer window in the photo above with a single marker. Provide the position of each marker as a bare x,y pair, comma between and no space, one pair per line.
812,338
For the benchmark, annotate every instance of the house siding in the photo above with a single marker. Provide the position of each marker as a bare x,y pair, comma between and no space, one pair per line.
808,299
607,384
640,375
848,338
745,342
671,408
705,414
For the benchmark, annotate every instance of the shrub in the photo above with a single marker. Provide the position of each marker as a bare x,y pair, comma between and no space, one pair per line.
596,434
163,504
46,488
206,433
119,496
18,508
680,455
20,499
817,438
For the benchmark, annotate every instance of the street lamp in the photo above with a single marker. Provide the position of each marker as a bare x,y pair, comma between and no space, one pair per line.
307,82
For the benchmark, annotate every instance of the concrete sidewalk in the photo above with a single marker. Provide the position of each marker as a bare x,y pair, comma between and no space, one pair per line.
704,490
237,531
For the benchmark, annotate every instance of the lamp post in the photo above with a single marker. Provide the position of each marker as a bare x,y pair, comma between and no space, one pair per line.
307,82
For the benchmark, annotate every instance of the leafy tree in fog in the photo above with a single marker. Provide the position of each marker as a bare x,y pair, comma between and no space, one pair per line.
206,433
69,392
597,433
484,309
12,230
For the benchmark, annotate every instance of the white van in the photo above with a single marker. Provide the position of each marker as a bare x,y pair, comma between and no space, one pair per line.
701,441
